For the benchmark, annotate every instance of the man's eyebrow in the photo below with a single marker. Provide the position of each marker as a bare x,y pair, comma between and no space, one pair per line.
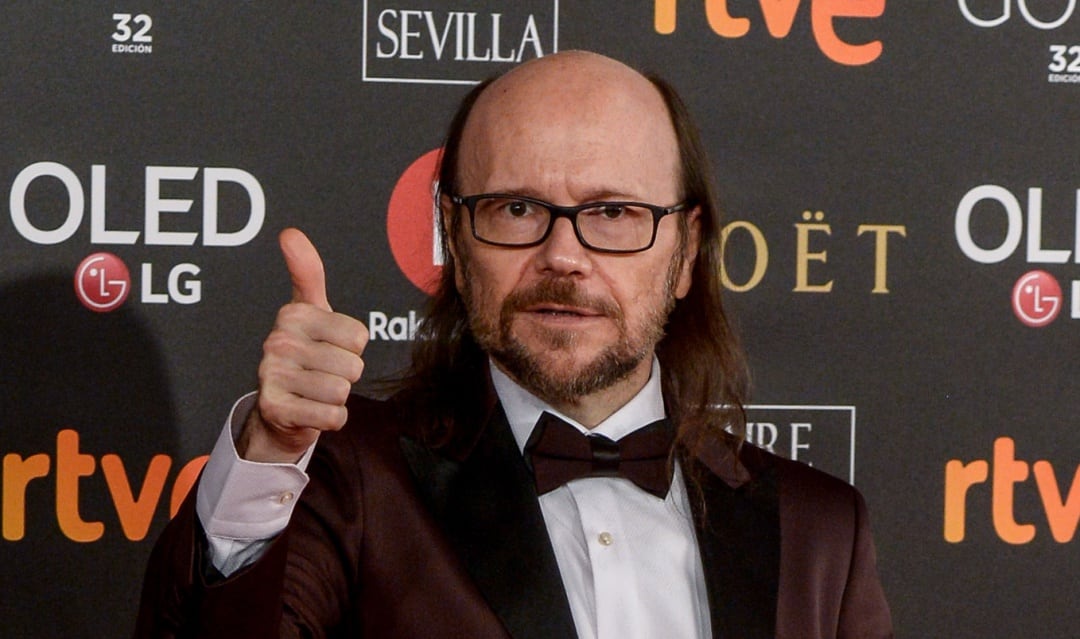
596,194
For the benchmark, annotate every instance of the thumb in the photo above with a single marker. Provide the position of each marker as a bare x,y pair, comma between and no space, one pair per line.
305,268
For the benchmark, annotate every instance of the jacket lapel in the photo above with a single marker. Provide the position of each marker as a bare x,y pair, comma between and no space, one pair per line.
736,515
486,504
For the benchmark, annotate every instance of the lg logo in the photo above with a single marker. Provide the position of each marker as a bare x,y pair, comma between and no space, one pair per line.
1025,11
102,280
1036,299
102,283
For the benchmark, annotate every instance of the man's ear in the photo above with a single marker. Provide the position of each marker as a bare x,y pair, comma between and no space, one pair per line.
691,244
448,219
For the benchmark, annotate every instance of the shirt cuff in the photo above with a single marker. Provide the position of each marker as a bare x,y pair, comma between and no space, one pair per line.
243,500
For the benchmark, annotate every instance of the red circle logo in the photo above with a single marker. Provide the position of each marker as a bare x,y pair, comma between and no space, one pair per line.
411,220
1036,298
102,282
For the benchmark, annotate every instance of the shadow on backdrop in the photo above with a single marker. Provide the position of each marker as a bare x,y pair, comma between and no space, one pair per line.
69,374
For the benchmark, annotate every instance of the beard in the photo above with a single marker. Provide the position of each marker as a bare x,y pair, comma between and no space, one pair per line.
543,364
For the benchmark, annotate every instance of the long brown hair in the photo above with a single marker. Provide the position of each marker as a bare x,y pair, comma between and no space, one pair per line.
704,376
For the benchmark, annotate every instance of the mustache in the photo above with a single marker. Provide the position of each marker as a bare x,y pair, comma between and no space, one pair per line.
558,291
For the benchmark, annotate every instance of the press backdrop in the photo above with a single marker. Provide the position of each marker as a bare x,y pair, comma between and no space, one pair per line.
900,178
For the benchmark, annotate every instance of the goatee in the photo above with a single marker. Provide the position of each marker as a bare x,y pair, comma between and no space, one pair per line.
534,366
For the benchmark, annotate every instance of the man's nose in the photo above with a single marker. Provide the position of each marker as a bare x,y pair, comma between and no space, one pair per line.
562,252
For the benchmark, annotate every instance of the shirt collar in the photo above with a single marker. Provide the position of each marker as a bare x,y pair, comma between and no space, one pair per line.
522,408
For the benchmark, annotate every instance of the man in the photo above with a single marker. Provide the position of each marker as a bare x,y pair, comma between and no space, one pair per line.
581,296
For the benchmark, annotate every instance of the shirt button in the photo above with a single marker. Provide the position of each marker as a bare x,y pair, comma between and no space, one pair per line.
605,539
285,497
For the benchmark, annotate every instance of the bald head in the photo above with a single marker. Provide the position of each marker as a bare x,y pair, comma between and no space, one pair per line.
570,78
571,127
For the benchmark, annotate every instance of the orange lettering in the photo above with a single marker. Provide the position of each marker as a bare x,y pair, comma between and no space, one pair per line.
722,23
17,474
1063,514
185,479
1008,472
664,17
135,513
959,477
70,466
822,14
780,15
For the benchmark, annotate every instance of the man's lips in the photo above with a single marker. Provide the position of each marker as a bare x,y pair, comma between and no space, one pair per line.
561,310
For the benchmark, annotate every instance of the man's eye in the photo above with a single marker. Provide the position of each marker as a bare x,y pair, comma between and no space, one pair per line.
517,209
612,211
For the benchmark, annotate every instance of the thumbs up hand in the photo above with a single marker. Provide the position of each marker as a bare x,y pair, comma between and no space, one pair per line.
310,361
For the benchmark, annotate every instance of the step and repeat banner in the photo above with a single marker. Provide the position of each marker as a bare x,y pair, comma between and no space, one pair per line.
902,189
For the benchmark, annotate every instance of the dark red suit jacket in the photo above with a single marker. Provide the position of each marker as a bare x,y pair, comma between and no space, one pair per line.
396,539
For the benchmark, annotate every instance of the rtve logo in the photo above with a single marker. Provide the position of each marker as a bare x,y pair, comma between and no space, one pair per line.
993,13
424,41
779,16
1004,472
135,509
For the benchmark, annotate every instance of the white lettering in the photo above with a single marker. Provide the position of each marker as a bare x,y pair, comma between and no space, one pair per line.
532,35
438,258
437,42
389,33
495,57
191,292
377,326
98,233
1006,13
1006,8
395,329
132,48
256,216
1035,252
1033,21
17,203
401,36
1076,253
963,224
795,445
755,432
148,294
473,57
407,35
399,329
156,205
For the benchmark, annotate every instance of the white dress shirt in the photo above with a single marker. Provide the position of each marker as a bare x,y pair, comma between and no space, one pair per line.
628,560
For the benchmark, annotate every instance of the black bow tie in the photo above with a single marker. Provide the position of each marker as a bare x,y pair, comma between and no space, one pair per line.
559,453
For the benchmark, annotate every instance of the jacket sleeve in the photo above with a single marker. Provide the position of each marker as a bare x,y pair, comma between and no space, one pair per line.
300,587
180,600
829,585
864,611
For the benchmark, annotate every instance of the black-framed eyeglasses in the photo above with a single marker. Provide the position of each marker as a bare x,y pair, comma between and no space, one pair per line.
516,221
